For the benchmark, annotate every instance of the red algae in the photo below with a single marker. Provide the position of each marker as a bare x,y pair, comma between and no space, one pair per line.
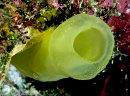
121,25
124,43
106,3
116,23
122,5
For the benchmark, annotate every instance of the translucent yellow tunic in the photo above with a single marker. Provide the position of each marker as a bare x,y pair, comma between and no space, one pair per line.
79,48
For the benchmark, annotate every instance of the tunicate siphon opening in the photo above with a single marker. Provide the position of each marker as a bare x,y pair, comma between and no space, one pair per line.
90,44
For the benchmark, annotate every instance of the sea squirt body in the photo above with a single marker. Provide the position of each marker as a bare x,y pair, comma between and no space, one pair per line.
79,48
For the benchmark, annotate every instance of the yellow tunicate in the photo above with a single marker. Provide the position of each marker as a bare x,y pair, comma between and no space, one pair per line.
79,48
